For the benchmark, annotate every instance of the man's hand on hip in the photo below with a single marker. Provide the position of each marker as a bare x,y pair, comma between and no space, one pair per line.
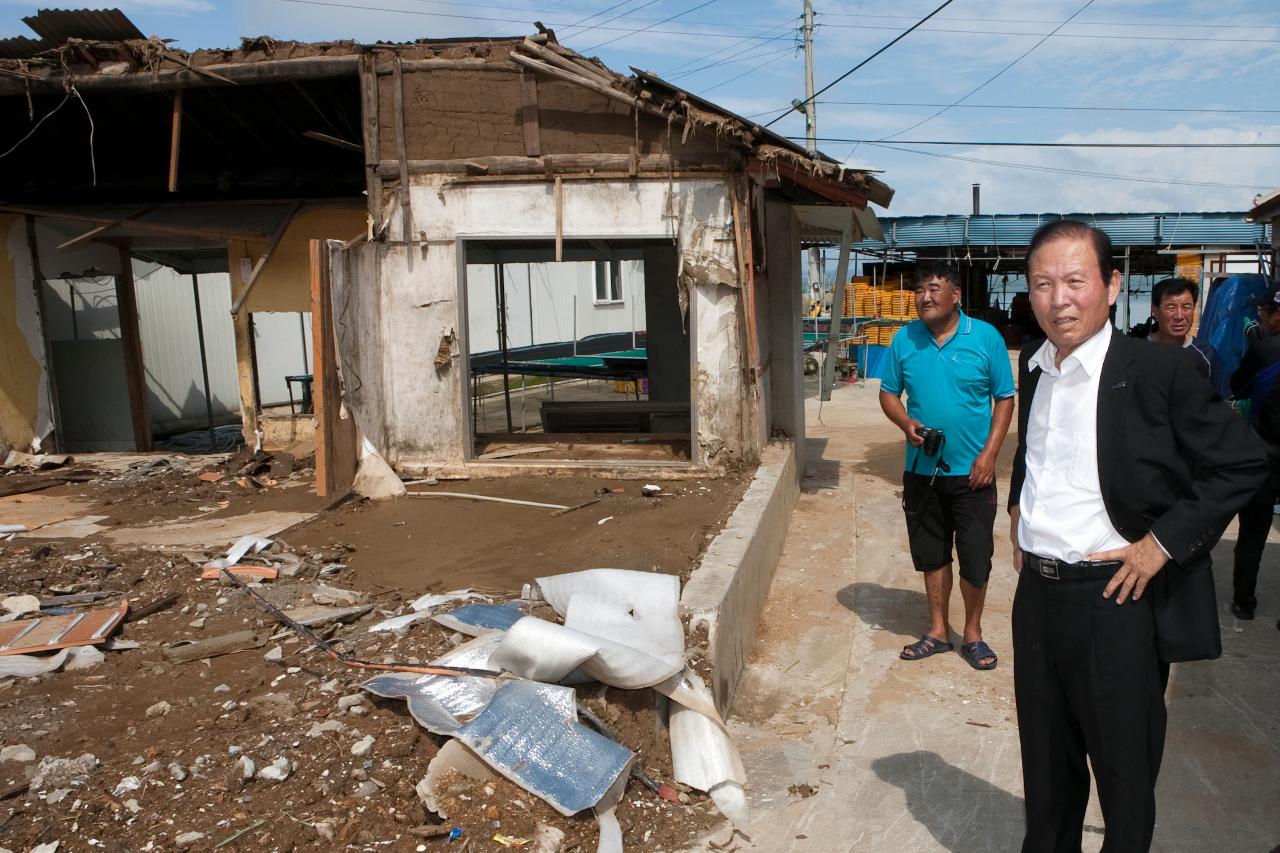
983,471
1141,561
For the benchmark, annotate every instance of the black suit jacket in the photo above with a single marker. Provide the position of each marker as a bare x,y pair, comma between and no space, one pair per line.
1173,460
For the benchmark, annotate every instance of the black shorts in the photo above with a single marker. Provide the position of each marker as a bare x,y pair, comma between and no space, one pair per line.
950,510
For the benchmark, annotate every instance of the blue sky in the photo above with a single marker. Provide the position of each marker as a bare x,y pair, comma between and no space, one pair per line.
1190,56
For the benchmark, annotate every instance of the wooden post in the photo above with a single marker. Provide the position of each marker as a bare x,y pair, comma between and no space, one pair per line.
559,219
406,211
529,114
131,336
175,141
336,439
243,330
369,123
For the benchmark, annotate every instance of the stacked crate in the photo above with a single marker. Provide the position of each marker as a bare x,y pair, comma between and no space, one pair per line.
896,304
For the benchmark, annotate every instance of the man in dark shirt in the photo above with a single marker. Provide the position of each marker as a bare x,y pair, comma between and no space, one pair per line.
1173,306
1257,380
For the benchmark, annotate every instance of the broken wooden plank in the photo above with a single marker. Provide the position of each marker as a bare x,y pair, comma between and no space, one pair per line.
369,129
162,603
227,644
155,227
332,140
47,633
245,573
563,163
100,229
313,615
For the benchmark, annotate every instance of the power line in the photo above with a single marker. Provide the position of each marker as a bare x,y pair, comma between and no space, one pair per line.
332,4
896,39
644,5
748,71
1044,107
679,69
993,77
651,26
746,57
592,15
982,144
1066,35
1077,172
1196,26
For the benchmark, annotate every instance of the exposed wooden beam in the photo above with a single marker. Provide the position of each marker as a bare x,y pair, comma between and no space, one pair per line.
412,65
94,232
153,227
369,128
829,190
332,140
196,77
552,164
175,141
406,208
529,114
262,261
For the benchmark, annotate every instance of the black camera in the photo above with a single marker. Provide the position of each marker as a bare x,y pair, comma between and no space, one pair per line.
933,440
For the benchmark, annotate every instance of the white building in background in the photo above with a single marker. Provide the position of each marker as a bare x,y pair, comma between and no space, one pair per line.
83,326
549,302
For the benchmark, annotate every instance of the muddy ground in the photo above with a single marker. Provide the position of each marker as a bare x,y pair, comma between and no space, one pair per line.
168,740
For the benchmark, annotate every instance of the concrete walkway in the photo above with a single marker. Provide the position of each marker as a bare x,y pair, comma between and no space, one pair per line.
848,748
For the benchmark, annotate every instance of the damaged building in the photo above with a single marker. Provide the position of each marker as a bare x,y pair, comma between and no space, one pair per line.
464,226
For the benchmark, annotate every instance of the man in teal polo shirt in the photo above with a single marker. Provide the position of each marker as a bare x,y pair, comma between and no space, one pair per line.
952,367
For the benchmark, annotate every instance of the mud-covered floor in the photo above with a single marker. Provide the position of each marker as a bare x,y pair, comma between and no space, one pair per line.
167,738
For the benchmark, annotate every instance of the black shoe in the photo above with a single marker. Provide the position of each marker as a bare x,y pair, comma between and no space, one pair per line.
1245,611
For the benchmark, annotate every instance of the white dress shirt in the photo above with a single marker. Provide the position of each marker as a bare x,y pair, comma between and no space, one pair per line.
1061,511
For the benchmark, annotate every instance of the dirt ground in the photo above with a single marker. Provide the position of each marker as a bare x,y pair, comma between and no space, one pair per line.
169,740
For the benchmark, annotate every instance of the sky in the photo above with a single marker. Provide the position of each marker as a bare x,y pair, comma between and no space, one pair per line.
1117,71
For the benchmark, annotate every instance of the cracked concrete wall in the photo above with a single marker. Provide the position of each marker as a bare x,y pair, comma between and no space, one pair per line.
412,298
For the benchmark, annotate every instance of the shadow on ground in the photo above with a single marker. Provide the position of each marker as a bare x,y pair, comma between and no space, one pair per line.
963,812
901,611
819,472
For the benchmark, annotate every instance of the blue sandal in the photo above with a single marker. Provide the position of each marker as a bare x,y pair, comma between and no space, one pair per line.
924,647
976,652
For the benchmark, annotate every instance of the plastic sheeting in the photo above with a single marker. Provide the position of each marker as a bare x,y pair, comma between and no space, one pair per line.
1227,313
476,619
440,703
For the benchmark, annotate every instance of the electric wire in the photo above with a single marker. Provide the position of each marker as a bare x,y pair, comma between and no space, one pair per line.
679,70
993,77
890,146
977,143
895,40
701,5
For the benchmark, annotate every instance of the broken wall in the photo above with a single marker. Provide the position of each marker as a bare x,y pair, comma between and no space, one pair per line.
25,413
419,410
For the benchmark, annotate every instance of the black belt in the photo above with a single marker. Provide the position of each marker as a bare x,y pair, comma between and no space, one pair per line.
1057,570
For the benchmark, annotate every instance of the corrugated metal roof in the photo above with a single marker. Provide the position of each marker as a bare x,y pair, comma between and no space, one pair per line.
57,25
1125,229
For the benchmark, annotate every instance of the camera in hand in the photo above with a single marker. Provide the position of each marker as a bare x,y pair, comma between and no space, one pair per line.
933,440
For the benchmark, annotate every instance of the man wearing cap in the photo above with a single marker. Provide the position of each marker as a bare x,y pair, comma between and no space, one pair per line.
1257,380
1126,473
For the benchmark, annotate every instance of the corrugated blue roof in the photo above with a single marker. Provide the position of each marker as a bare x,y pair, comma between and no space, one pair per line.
1162,230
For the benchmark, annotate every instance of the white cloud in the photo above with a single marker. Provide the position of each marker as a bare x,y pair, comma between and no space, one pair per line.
935,185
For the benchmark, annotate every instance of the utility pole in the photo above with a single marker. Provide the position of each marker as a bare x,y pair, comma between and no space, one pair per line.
810,109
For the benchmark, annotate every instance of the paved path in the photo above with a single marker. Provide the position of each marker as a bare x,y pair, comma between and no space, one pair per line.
923,756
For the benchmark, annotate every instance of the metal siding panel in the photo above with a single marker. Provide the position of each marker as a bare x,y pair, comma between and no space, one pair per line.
58,25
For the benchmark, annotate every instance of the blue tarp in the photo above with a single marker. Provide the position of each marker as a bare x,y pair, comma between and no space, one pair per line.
1228,313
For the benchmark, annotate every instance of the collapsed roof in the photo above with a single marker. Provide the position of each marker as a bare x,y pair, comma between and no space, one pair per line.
293,109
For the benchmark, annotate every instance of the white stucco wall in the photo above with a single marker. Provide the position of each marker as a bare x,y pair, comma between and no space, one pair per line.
422,409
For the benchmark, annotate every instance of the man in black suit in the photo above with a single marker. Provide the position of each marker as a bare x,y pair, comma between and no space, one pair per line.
1127,470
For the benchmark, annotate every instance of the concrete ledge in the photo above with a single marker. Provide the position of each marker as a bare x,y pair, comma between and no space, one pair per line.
725,594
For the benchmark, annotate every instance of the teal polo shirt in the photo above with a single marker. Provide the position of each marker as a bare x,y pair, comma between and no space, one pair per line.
949,387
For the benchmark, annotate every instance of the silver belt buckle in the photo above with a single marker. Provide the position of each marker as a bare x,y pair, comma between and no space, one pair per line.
1048,568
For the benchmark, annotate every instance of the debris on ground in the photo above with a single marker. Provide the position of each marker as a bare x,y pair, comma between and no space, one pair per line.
263,740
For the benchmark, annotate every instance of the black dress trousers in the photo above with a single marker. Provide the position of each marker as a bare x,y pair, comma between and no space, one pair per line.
1088,683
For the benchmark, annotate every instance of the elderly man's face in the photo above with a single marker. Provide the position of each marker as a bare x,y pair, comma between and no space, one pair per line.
1069,296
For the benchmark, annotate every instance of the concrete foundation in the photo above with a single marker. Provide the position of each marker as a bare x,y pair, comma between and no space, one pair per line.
726,593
